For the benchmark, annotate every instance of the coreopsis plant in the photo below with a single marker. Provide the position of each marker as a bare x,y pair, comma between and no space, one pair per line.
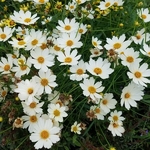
74,74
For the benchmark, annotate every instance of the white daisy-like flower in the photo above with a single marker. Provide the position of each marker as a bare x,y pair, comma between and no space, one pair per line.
24,17
105,4
78,71
96,43
68,57
71,6
82,28
33,108
92,89
3,93
6,65
130,56
98,112
57,112
44,134
36,39
79,1
146,50
107,102
139,73
19,43
76,128
27,90
46,81
130,94
99,67
144,14
87,13
41,59
115,116
40,1
30,121
140,37
118,44
22,66
69,41
6,33
118,2
95,52
68,26
116,128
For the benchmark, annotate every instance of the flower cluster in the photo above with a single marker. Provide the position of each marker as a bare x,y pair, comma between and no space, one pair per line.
66,64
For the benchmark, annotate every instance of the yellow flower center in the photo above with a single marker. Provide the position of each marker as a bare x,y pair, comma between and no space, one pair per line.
4,93
34,42
44,82
40,60
80,30
80,71
27,20
97,70
75,129
71,7
18,121
69,43
30,90
107,4
104,101
68,60
44,134
23,67
115,118
137,74
21,42
143,16
138,36
3,36
43,46
33,118
41,1
97,110
94,43
7,67
33,105
56,113
127,95
115,125
67,27
117,45
130,59
92,89
57,48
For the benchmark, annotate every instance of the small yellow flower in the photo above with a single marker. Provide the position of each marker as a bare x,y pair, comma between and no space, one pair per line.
112,148
17,98
1,119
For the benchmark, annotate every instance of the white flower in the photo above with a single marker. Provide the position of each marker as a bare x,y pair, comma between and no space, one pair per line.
33,108
76,128
95,52
144,14
99,112
44,134
24,17
106,4
96,43
78,71
6,65
118,44
107,102
71,6
130,94
82,28
118,2
57,112
22,66
46,81
99,68
130,56
69,41
68,26
6,33
115,116
116,128
40,1
30,121
27,90
92,89
146,50
68,58
42,59
139,73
